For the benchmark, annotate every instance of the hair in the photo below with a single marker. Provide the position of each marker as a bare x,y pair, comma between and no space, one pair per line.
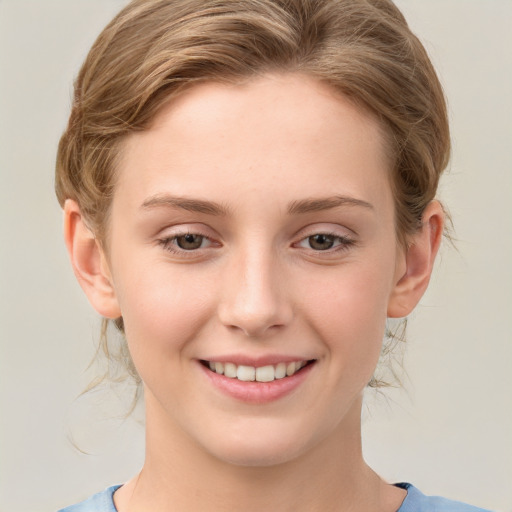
154,49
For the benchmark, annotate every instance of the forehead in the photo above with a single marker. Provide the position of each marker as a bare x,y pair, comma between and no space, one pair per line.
289,132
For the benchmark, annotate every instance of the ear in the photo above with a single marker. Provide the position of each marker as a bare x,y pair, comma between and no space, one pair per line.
89,262
419,262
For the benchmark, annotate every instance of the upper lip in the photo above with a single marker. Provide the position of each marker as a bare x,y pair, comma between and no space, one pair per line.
240,359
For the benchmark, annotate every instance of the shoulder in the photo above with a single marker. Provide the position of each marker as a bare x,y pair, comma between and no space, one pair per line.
101,502
416,501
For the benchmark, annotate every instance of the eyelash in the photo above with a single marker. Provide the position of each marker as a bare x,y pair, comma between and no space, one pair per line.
170,243
344,242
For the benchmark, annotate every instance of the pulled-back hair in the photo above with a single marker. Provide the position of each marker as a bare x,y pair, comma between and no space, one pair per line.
154,49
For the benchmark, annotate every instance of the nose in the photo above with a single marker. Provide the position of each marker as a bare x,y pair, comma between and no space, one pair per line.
254,295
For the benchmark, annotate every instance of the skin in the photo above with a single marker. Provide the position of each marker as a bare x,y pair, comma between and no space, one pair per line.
240,166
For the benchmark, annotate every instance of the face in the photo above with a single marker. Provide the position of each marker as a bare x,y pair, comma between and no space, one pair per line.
252,234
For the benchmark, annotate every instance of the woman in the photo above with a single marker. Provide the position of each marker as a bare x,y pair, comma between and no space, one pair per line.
249,194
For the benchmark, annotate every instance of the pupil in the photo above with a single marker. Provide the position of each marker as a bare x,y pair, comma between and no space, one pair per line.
321,242
189,241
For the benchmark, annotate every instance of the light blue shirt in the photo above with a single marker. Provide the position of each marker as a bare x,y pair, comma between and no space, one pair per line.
415,501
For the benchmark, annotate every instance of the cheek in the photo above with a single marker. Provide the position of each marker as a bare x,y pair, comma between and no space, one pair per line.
163,309
349,309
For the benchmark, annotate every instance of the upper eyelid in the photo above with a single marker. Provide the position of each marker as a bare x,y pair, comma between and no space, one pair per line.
176,230
330,229
327,233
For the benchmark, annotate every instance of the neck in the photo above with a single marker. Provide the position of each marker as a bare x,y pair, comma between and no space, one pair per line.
179,475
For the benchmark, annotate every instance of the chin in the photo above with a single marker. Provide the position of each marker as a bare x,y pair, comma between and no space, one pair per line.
260,446
257,455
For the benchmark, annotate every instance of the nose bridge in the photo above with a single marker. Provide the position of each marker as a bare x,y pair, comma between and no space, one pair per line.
254,299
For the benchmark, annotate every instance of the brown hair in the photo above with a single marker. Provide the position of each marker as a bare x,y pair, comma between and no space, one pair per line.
153,49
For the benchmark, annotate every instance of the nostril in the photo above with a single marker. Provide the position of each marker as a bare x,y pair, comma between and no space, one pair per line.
253,300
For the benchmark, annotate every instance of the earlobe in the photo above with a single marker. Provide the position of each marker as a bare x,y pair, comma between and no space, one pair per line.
419,262
89,262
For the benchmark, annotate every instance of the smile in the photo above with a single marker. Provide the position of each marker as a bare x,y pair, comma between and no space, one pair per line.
266,373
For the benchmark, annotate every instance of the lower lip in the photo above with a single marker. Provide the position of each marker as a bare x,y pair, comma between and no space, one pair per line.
257,392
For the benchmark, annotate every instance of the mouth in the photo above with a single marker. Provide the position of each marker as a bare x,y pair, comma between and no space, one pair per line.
266,373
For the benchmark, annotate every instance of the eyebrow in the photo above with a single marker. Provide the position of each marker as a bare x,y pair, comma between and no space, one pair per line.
211,208
185,203
316,205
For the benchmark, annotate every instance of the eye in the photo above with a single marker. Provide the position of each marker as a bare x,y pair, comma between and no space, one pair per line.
183,243
325,241
190,241
321,242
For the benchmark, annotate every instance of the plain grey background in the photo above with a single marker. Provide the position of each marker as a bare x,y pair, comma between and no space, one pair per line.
449,431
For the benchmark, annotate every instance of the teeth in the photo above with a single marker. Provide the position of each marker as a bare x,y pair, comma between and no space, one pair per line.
230,370
290,369
260,374
280,371
265,374
246,373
